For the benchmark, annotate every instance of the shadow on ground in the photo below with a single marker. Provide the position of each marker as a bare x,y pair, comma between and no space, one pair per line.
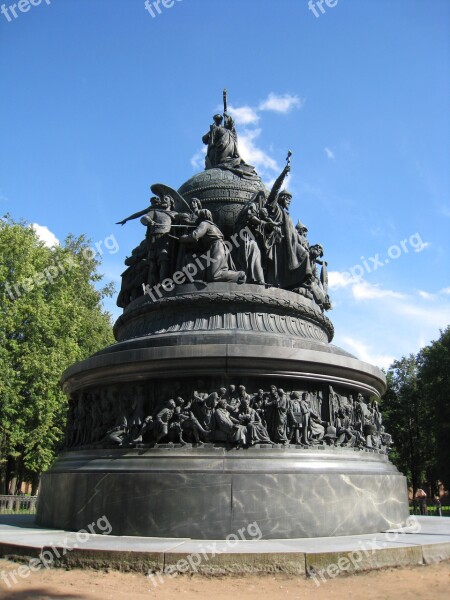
37,594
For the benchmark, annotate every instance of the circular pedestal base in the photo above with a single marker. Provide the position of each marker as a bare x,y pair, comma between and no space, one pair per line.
211,493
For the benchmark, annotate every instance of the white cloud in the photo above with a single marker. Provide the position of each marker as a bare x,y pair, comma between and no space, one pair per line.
198,160
337,279
364,353
250,152
45,235
254,155
425,295
389,323
244,115
281,103
367,291
329,153
438,316
248,116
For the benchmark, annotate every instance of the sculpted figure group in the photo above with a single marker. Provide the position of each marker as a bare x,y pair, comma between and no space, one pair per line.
179,247
182,247
229,416
183,244
276,253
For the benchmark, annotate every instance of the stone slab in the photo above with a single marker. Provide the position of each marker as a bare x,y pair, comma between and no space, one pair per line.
236,563
331,564
318,558
437,552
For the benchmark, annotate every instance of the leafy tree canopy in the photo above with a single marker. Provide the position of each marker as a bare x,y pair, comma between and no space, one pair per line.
416,409
51,316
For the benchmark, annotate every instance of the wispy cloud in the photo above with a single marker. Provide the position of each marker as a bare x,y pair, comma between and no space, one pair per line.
425,295
329,153
437,317
198,159
244,115
45,235
281,103
367,354
391,322
359,288
362,290
253,154
433,297
337,279
249,117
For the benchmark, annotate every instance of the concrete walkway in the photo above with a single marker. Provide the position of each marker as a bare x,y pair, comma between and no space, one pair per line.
426,540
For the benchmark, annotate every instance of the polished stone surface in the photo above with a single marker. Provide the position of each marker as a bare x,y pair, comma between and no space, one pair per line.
233,361
212,493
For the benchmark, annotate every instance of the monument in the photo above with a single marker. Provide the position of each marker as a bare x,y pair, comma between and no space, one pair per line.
223,401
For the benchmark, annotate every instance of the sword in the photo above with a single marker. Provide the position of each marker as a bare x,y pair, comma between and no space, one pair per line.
189,208
152,222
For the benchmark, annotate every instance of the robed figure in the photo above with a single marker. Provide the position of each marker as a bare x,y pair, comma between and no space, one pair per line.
221,141
256,230
222,152
287,259
216,258
277,407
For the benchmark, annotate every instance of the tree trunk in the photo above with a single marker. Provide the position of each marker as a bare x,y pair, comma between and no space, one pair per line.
35,484
13,485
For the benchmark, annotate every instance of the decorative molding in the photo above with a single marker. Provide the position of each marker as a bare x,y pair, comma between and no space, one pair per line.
291,318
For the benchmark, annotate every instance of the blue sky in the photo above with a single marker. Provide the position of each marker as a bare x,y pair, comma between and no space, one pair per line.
99,100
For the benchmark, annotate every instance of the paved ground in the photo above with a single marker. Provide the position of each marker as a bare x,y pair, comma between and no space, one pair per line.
248,569
425,541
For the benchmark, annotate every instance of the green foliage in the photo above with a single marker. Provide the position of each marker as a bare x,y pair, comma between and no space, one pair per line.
50,316
434,380
416,408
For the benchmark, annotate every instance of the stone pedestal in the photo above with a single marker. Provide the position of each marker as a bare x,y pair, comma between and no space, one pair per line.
199,338
210,493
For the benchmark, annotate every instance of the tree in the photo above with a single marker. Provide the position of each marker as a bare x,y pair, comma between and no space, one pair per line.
434,381
416,410
51,315
407,418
